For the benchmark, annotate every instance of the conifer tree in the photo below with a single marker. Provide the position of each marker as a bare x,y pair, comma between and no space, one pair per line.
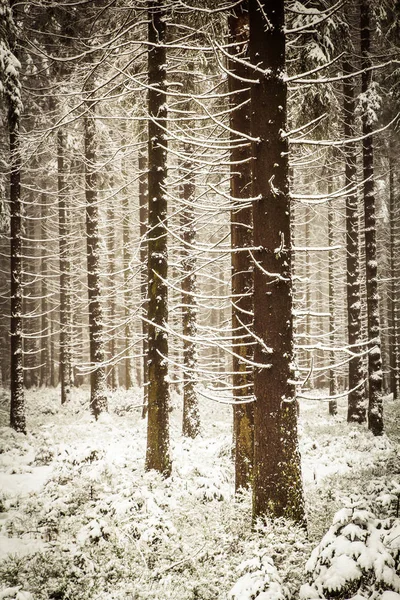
277,487
157,453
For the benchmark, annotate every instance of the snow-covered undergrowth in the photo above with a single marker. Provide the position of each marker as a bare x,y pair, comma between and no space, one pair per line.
81,519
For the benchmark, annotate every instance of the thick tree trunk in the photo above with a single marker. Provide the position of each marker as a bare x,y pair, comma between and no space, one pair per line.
157,455
143,218
17,409
98,397
65,273
241,237
356,411
375,379
277,490
191,415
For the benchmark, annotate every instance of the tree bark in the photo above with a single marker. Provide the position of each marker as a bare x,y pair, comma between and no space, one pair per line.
333,384
277,490
44,380
12,91
191,415
157,454
241,237
356,409
375,378
65,273
394,342
98,397
143,218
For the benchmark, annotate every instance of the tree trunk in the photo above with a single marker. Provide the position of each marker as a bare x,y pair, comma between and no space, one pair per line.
394,343
356,410
157,455
65,273
143,218
44,380
112,269
333,385
12,90
191,416
277,488
375,379
98,397
241,237
126,225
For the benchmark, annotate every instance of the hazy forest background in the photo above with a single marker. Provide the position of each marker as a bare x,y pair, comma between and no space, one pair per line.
199,292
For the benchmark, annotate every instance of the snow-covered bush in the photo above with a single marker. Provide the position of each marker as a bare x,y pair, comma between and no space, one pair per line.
354,559
259,580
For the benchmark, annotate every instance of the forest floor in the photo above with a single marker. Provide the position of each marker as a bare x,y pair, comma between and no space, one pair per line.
80,519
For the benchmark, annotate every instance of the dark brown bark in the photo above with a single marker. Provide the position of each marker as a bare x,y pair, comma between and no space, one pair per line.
375,379
143,218
356,408
191,415
17,408
158,454
241,237
65,273
277,489
98,388
394,316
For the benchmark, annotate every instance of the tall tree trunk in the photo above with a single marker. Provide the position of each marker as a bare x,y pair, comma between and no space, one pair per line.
333,385
44,380
113,368
191,415
277,487
157,455
143,218
126,226
65,273
12,91
241,237
98,397
394,343
375,379
356,409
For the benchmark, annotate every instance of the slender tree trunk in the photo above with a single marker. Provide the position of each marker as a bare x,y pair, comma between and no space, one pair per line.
157,455
126,225
356,411
44,308
375,379
394,343
241,237
143,218
333,385
113,368
277,487
65,273
12,92
17,410
98,398
191,415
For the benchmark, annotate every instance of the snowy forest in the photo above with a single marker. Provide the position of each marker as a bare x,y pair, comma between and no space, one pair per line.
199,300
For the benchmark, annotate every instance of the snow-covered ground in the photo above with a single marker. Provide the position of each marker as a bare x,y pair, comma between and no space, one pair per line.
81,519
